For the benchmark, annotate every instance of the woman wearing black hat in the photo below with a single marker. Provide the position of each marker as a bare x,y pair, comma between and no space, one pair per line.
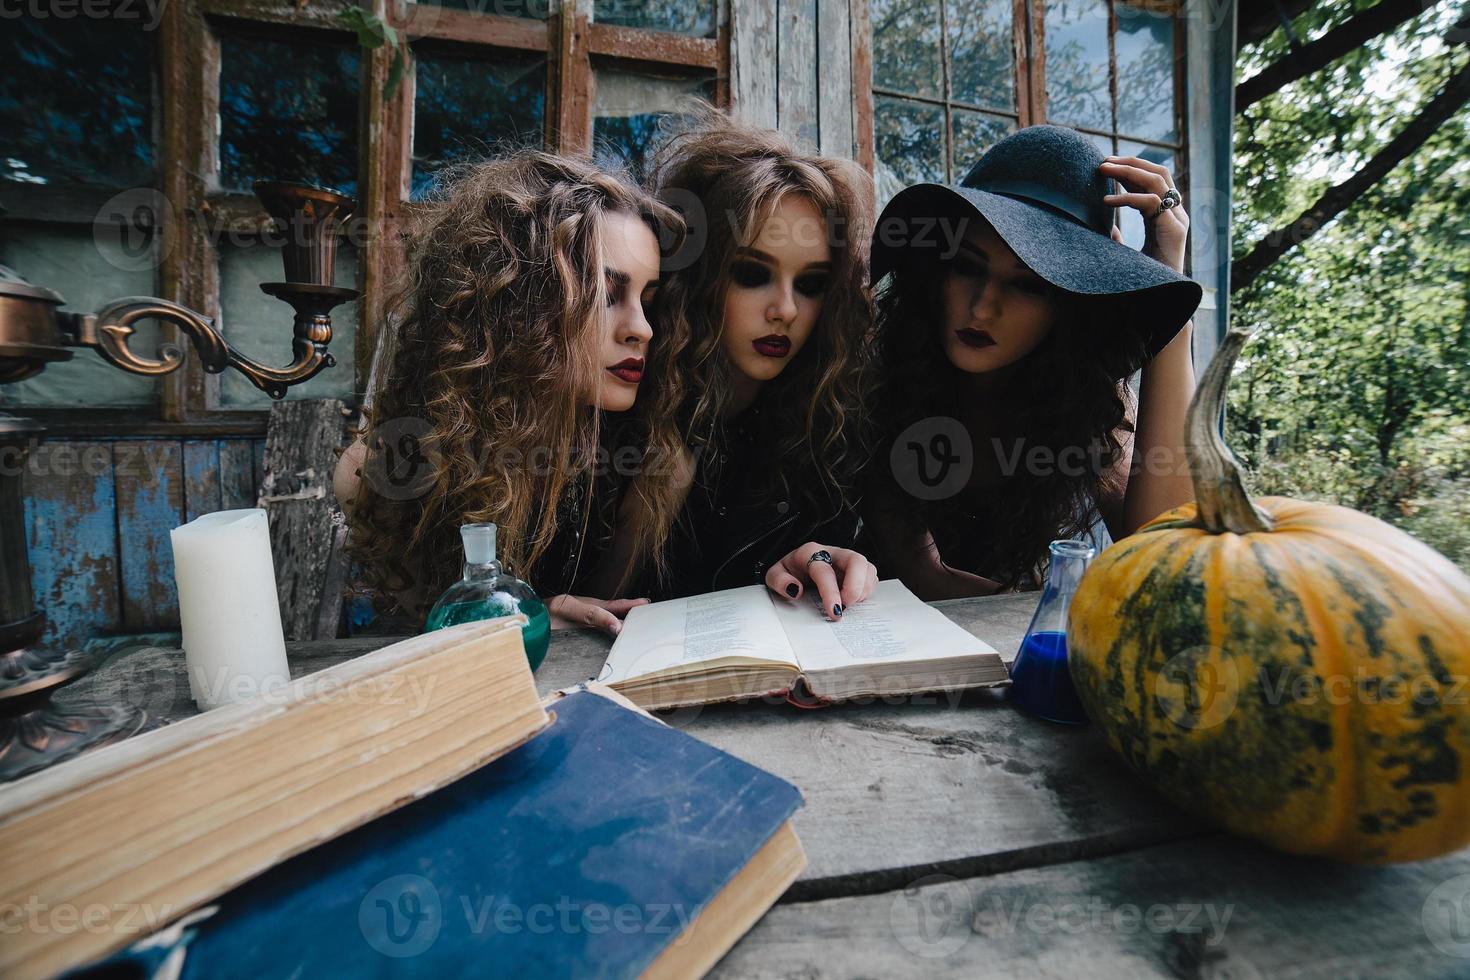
1010,317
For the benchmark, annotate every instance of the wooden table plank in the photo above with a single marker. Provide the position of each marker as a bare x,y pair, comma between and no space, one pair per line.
966,784
1212,907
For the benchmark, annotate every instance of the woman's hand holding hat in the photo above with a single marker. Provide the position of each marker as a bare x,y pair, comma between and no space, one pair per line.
1166,229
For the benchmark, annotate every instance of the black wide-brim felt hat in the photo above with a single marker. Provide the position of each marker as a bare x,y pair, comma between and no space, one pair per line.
1042,192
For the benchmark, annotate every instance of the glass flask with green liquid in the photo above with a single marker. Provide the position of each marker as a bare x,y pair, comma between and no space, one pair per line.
487,591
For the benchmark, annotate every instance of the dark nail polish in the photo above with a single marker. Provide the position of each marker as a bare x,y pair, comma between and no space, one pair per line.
837,609
793,590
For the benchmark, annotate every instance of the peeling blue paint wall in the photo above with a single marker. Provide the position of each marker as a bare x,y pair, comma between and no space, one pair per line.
98,515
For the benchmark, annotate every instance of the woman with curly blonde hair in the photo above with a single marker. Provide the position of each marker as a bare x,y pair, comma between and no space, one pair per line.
763,328
520,323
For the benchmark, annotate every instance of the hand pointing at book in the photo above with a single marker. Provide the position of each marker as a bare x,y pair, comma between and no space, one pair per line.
847,580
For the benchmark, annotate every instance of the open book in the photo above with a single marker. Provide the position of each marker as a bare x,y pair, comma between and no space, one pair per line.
746,642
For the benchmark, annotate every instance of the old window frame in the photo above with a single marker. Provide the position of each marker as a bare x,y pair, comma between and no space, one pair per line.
1029,45
187,69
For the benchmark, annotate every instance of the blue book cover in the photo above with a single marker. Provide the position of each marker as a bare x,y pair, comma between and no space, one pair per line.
584,852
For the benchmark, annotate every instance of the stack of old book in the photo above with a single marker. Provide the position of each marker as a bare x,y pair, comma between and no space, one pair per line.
418,810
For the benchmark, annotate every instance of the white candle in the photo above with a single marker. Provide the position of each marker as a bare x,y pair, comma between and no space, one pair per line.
234,647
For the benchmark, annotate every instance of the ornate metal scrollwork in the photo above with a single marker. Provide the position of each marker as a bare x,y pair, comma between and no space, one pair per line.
109,331
311,217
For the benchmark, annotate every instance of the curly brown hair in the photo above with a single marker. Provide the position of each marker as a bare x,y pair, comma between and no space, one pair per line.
1071,391
492,334
728,178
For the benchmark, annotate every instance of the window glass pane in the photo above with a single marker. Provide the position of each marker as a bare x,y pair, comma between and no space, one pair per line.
288,111
982,59
259,326
628,109
1129,220
535,9
467,106
1145,46
906,46
695,17
74,97
972,134
909,139
1077,63
88,269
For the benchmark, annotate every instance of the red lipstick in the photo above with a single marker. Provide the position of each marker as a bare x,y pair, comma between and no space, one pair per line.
629,370
772,345
971,337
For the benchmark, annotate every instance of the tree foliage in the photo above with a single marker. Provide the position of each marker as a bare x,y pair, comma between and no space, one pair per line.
1356,389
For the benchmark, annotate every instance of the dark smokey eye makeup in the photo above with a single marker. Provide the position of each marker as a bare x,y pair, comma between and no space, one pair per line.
813,285
749,274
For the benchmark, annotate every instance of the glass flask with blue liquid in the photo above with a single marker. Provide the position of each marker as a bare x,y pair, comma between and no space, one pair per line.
487,591
1041,682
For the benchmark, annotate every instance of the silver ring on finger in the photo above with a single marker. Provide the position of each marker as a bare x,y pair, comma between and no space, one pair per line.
823,556
1171,199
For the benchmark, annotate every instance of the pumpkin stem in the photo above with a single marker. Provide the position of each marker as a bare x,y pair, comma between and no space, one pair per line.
1223,504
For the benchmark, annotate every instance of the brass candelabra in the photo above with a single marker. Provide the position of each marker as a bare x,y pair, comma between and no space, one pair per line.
35,332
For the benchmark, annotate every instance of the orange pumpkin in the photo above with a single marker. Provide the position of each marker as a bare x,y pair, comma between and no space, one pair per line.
1294,672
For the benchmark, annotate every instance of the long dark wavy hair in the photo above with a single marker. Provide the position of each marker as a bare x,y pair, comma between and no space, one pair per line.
1070,391
492,346
734,176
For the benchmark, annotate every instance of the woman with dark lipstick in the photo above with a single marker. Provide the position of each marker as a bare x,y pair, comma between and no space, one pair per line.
1010,319
763,330
523,322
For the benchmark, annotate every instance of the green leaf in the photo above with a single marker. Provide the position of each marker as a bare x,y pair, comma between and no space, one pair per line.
372,33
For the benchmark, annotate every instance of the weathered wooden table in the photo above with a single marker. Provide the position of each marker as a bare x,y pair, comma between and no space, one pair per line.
958,836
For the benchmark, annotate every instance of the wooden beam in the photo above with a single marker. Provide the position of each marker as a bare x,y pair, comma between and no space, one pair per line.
653,47
1038,64
447,24
62,423
861,40
1339,197
796,72
1316,55
569,98
753,61
836,86
188,270
722,70
1021,57
387,146
287,13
